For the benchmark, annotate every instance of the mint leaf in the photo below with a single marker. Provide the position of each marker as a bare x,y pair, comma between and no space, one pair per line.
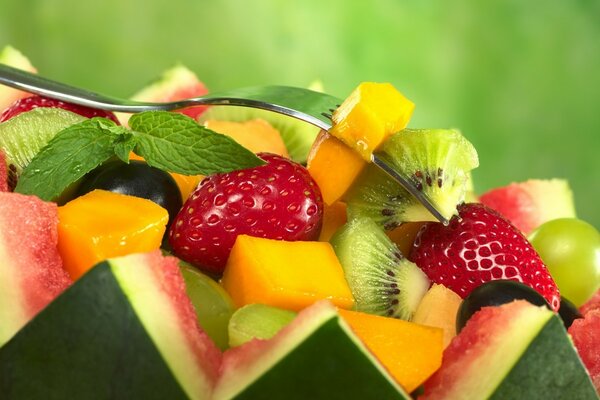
177,143
125,142
67,157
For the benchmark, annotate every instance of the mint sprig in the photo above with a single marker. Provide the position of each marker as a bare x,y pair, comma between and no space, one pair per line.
169,141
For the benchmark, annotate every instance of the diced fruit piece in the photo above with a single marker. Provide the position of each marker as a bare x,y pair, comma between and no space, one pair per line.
213,305
516,350
334,217
134,179
586,337
568,312
102,224
256,135
371,113
570,248
382,280
126,329
334,166
495,293
31,273
477,247
436,161
438,308
297,135
3,173
529,204
289,275
13,58
591,304
32,102
22,137
317,356
278,200
404,236
410,352
176,83
257,321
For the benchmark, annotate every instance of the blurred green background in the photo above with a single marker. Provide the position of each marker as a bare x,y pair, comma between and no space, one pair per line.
521,79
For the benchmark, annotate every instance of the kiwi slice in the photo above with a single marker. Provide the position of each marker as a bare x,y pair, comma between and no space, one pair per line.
382,281
23,136
436,161
298,136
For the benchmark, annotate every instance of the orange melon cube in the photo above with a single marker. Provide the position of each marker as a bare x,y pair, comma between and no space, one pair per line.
289,275
256,135
410,352
334,166
438,308
334,216
371,113
102,224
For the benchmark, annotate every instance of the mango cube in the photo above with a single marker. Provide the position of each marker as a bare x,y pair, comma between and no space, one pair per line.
289,275
102,224
371,113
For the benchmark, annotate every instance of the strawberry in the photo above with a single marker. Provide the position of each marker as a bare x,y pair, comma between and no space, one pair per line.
479,247
278,200
29,103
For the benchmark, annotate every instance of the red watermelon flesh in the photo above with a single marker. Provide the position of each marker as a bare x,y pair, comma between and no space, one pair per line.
529,204
586,337
3,173
31,273
591,304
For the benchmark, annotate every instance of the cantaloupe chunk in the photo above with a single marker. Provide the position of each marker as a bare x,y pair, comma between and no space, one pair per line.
371,113
334,216
334,166
410,352
289,275
102,224
256,135
438,308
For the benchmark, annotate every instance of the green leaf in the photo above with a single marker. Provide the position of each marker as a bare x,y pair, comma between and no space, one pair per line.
67,157
177,143
125,142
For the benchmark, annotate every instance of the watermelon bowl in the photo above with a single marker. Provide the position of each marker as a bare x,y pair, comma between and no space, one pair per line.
149,257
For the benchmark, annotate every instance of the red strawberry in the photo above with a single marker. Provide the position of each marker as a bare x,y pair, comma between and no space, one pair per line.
278,200
29,103
478,247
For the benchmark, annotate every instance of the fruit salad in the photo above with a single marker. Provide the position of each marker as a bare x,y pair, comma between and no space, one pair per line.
223,252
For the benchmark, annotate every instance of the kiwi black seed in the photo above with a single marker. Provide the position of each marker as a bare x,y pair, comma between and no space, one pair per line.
437,161
382,281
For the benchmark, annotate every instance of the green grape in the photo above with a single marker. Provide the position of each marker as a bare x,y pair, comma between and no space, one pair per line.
213,305
257,321
570,248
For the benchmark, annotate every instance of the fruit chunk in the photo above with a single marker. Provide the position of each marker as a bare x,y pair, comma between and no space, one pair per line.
31,273
570,249
382,280
404,236
438,309
411,353
22,137
176,83
315,357
13,58
278,200
586,337
516,350
478,247
289,275
334,217
371,113
257,321
568,312
436,161
591,304
126,329
104,224
256,135
529,204
334,166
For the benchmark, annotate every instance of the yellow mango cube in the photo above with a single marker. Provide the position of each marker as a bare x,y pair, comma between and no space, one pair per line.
102,224
371,113
290,275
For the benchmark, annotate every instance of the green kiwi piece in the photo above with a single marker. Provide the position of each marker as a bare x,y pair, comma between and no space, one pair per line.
23,136
437,161
382,281
298,136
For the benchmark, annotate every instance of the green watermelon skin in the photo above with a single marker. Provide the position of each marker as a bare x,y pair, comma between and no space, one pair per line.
87,344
